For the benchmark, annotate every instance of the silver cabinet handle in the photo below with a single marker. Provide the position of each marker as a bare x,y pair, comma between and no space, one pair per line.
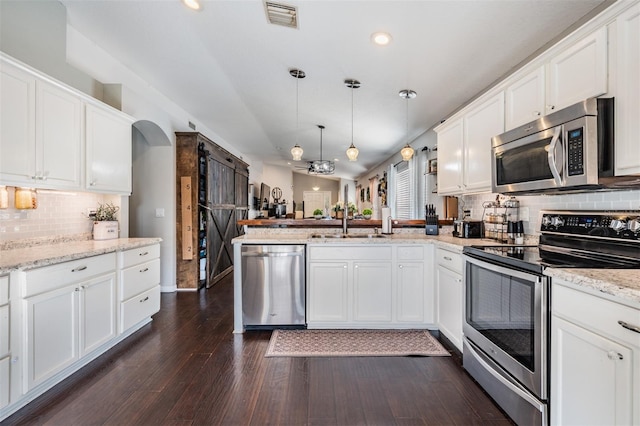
144,270
447,258
144,254
400,266
92,183
613,355
145,299
629,326
79,268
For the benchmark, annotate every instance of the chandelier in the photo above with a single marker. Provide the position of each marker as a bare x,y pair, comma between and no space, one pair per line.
321,167
407,151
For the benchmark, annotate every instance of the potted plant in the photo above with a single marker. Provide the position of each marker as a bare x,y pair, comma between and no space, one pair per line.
338,209
367,213
105,222
351,208
317,213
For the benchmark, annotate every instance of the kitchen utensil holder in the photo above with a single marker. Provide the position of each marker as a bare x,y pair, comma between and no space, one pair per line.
431,225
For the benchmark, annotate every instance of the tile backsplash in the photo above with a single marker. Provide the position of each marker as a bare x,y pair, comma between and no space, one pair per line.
531,205
58,215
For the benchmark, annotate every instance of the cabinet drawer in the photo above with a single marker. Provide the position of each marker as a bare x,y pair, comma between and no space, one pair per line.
139,278
596,314
4,330
413,252
56,276
139,255
349,252
449,260
140,307
4,290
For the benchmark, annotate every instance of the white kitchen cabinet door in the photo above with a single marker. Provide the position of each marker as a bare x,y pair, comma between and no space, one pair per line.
327,292
579,72
17,125
372,292
410,292
97,312
591,377
108,146
450,304
59,161
52,333
480,125
627,157
450,146
4,382
524,99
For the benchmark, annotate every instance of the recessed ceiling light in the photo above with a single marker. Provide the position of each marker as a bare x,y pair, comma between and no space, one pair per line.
192,4
381,38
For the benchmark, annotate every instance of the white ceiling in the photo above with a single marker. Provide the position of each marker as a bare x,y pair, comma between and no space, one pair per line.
228,67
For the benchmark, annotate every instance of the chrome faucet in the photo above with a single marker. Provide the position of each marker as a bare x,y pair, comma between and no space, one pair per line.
345,210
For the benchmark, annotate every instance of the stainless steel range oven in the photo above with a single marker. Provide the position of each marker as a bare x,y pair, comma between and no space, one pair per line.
508,302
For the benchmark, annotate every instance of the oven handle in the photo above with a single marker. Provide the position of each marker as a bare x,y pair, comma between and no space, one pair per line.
503,270
515,387
551,155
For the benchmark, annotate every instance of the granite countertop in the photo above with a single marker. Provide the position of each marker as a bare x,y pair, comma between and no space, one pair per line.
44,255
622,284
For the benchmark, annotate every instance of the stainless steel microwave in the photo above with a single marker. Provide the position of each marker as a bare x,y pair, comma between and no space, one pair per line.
571,150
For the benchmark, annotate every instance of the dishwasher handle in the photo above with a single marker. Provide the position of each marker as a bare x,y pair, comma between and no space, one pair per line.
272,254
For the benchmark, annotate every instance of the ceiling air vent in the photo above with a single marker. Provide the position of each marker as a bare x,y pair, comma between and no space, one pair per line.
282,14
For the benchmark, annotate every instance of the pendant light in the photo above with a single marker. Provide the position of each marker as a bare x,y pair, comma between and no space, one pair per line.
352,151
407,151
321,167
296,151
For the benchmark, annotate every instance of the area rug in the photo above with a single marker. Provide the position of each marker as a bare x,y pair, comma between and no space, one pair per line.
335,343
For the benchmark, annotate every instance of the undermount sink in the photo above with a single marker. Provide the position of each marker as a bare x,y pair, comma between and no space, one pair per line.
348,236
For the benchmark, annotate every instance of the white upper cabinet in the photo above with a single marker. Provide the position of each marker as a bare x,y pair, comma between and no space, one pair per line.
464,148
573,75
628,94
51,135
579,72
450,146
480,125
108,139
524,99
58,138
17,125
40,136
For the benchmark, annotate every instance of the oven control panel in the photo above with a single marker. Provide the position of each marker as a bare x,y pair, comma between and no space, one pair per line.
610,225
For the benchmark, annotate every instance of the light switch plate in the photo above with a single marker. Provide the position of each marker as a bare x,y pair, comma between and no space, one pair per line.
159,212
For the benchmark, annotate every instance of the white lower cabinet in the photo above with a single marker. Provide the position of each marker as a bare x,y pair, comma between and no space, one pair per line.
372,292
328,292
5,346
595,368
62,316
450,295
373,286
139,285
68,317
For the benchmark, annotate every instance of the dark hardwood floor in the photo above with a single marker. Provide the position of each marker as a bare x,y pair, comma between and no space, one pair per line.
188,368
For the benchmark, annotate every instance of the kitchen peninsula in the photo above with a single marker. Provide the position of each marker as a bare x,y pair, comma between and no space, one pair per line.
438,259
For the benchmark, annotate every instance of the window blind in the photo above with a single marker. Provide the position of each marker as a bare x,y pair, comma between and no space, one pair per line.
403,191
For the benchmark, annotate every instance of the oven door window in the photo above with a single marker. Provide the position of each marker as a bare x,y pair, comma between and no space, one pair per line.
502,308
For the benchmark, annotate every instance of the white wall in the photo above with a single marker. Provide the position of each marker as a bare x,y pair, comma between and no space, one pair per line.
281,177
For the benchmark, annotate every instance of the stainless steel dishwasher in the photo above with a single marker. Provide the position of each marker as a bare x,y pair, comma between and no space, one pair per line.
273,285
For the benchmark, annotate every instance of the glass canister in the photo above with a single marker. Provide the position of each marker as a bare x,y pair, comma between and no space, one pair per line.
26,199
4,197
